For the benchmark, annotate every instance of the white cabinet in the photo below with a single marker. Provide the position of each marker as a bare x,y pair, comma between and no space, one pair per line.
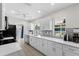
35,42
26,38
69,54
51,51
54,49
44,46
70,51
40,44
32,41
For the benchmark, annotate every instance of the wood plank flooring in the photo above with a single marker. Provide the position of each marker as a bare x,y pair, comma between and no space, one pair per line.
28,50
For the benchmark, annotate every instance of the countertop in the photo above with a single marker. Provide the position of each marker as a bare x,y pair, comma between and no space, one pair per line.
58,40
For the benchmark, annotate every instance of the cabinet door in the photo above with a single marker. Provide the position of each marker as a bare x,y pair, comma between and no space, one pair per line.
40,45
70,50
54,49
31,40
58,51
44,46
26,38
69,54
35,42
51,51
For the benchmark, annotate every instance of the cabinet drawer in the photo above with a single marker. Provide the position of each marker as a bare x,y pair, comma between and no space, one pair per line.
54,44
44,46
71,49
65,53
54,51
51,51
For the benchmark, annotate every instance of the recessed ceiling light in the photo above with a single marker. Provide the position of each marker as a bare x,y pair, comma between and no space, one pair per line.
39,11
52,4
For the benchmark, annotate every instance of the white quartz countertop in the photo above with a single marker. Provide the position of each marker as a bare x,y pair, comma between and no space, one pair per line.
58,40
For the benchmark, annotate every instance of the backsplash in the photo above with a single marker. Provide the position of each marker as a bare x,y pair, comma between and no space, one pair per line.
47,33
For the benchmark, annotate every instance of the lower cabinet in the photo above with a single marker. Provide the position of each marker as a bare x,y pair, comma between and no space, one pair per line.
35,42
51,48
44,47
54,49
66,53
70,51
51,51
39,44
31,40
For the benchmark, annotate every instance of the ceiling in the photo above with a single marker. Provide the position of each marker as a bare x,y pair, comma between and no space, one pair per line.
32,11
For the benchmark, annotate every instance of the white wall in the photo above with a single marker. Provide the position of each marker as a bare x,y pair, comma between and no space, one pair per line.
44,22
16,21
71,14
